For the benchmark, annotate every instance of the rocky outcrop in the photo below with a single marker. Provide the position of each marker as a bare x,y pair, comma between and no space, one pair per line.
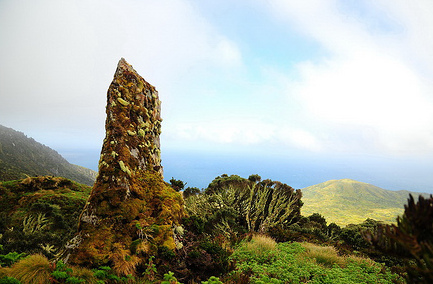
131,211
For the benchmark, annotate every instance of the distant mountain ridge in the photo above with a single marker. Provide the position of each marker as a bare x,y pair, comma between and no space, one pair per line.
348,201
21,156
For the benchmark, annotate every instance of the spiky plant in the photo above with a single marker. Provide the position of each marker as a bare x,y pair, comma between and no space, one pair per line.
413,235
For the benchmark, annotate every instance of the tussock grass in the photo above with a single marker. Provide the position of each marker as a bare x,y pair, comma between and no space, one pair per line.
324,255
85,274
261,248
328,256
4,271
361,261
34,269
260,243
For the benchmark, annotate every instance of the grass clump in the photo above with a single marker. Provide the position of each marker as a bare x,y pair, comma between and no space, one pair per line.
260,248
323,255
34,269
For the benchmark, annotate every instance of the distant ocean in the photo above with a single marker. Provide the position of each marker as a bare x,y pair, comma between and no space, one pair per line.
297,170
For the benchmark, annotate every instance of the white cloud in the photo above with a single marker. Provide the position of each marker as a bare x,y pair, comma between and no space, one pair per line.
223,131
367,79
58,58
299,138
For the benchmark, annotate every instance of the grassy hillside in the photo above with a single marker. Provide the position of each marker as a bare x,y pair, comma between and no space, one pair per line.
39,214
348,201
21,156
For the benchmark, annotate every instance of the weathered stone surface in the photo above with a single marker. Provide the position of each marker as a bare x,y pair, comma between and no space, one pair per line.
131,210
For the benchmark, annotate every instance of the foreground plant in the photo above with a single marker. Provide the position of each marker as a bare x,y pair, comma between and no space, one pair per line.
412,236
301,263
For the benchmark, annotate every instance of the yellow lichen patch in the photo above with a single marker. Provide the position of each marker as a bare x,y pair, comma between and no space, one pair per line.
141,133
122,101
124,168
131,133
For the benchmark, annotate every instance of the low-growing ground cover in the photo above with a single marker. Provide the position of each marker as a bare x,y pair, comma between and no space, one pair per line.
264,261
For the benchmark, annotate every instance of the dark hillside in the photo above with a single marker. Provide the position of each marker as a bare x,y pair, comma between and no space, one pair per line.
21,156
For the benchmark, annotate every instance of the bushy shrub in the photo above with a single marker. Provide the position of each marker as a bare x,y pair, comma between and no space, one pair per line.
200,257
233,205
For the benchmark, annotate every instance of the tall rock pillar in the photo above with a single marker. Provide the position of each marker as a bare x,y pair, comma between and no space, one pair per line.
131,210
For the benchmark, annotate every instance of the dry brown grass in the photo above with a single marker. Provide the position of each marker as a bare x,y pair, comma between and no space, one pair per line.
124,263
34,269
4,271
84,273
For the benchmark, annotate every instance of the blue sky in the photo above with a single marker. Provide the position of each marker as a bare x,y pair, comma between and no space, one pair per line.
313,90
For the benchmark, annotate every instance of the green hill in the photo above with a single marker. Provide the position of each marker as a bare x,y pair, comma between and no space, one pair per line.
348,201
21,156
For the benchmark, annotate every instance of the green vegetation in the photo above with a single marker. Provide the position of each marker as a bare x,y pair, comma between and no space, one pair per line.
215,243
21,157
38,215
348,201
413,235
262,260
232,204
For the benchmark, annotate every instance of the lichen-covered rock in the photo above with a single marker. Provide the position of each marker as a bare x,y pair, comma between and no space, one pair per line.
131,211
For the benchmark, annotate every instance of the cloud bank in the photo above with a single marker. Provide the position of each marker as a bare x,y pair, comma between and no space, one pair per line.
365,87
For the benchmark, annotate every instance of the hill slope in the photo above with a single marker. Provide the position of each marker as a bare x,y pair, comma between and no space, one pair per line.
39,214
348,201
21,156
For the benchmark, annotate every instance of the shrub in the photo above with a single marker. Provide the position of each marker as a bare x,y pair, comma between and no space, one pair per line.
413,236
169,279
201,257
233,205
212,280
